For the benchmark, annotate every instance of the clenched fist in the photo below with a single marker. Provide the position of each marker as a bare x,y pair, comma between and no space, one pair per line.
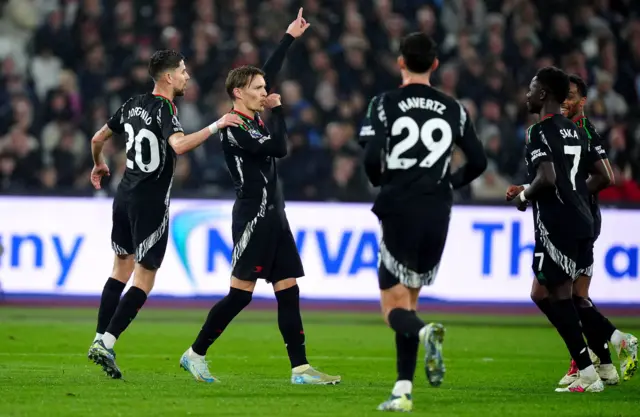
513,191
272,100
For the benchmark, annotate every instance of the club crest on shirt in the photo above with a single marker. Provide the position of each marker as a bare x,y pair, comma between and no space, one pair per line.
255,133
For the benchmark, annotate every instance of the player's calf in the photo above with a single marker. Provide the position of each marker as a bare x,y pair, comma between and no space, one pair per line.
219,317
406,323
111,292
596,327
567,324
131,303
126,312
290,324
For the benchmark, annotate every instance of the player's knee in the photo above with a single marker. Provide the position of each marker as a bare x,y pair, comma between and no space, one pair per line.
385,317
122,268
581,286
565,290
240,298
581,292
538,294
288,297
284,284
581,302
144,277
389,307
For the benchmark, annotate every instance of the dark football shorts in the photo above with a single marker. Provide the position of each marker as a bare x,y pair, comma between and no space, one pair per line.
411,247
555,258
584,264
264,247
141,229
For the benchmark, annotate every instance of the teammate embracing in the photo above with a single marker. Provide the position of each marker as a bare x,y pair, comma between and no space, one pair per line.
141,205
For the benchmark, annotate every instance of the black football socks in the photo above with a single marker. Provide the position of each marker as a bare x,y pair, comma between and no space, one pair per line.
405,322
567,323
108,303
406,355
596,327
219,318
545,306
290,325
126,311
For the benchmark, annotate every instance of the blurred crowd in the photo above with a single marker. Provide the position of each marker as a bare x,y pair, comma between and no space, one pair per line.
67,65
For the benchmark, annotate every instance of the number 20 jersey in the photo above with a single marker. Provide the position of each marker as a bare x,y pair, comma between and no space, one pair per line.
417,127
561,210
147,121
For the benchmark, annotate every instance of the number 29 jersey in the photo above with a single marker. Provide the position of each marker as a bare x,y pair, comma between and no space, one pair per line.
414,128
561,210
148,121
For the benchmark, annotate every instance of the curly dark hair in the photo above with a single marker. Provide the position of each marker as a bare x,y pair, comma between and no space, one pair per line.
555,82
164,60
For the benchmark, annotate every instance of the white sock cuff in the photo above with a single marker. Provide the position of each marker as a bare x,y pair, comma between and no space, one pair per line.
402,387
109,340
194,354
617,337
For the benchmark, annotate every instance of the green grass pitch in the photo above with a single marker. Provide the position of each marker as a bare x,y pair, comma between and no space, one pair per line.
496,366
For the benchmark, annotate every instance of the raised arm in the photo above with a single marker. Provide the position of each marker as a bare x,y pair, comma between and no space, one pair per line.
275,61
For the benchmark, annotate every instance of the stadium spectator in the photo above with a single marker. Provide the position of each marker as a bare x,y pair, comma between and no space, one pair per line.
66,66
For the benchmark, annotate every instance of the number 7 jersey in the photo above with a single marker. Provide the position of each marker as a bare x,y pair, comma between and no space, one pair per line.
561,209
148,121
